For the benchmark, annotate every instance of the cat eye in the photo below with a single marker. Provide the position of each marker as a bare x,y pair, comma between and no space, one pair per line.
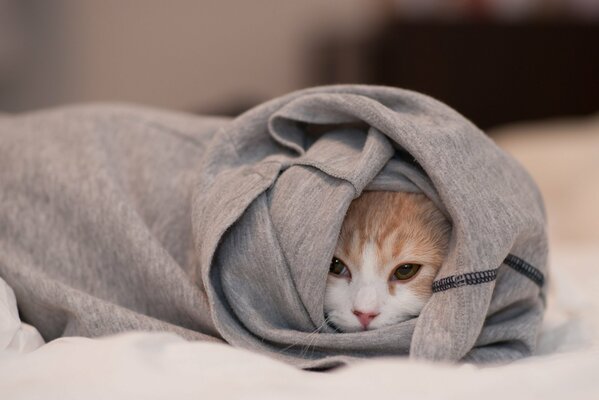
405,271
339,268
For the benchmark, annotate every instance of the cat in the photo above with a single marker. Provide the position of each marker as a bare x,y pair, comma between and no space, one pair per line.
389,250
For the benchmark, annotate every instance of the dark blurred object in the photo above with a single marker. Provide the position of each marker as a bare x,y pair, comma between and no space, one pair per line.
498,10
492,73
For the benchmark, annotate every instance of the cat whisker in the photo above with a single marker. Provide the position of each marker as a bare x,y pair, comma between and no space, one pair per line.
311,335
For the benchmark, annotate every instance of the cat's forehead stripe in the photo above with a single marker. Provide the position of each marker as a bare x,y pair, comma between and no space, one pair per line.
405,227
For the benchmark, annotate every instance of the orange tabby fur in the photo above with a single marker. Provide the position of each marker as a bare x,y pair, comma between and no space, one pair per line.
381,231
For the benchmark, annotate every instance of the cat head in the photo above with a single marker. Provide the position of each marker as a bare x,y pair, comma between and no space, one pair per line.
390,248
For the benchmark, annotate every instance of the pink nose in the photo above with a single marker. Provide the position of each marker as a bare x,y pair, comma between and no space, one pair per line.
365,318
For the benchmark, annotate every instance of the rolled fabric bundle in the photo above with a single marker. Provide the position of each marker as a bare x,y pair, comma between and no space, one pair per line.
115,218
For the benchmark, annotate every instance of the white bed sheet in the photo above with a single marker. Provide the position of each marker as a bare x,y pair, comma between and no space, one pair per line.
157,366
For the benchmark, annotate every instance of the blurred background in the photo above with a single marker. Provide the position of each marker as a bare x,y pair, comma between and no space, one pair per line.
496,61
526,71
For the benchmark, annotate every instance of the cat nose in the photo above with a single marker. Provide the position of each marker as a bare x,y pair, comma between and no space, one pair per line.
365,318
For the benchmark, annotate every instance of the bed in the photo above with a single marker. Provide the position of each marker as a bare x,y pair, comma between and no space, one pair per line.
563,157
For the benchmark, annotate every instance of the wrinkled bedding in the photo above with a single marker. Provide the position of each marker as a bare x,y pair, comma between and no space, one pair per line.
154,365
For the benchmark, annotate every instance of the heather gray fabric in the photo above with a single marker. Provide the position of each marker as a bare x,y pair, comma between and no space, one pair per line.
115,218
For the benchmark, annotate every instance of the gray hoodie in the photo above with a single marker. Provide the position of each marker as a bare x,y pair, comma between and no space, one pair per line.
116,218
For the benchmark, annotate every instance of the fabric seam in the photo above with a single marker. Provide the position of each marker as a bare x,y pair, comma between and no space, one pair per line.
479,277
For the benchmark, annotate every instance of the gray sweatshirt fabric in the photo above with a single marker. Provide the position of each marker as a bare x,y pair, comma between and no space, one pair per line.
117,218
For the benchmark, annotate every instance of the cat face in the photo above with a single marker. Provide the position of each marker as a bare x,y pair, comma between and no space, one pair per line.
390,249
